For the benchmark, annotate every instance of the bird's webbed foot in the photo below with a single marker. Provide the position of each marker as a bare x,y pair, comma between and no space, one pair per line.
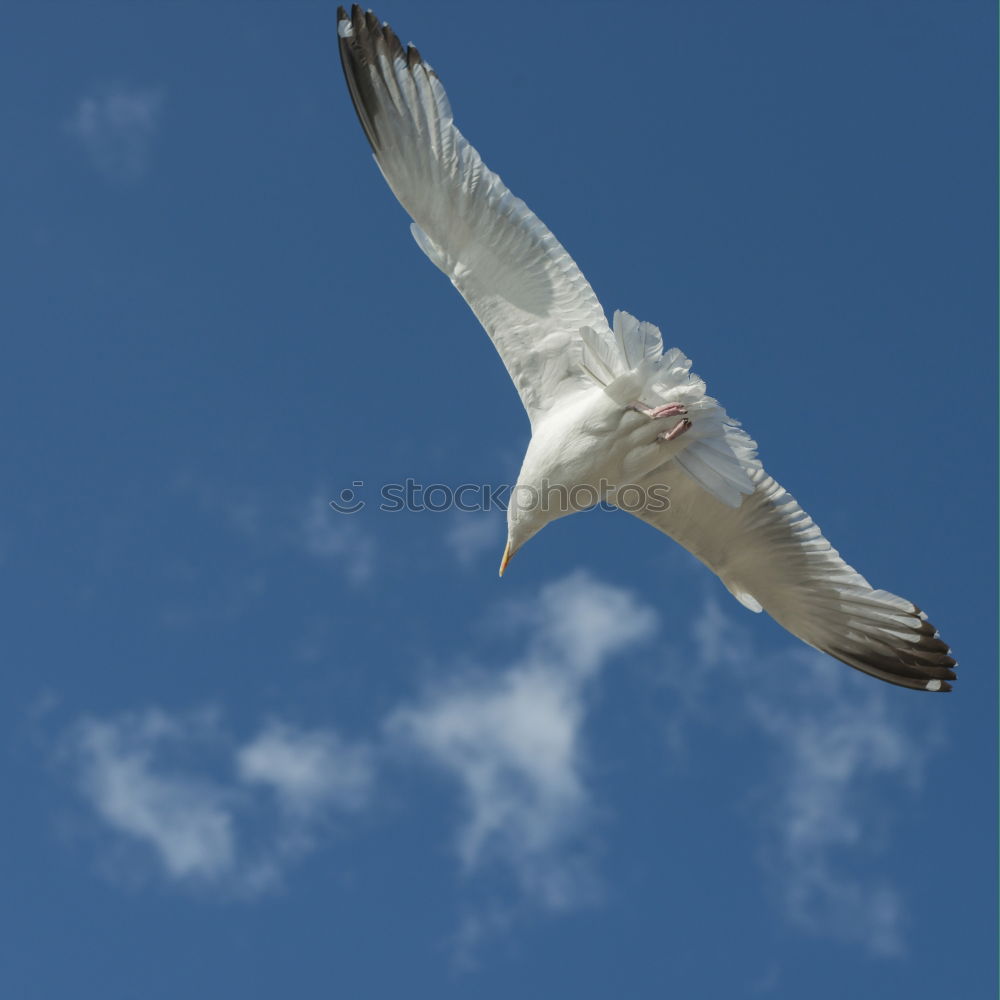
668,410
676,431
659,412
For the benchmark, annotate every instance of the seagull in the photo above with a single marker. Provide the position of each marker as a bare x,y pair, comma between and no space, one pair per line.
614,417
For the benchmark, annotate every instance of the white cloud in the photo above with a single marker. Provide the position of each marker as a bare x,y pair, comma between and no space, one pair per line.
116,127
186,820
145,776
512,740
308,770
833,738
718,640
832,743
471,535
337,538
233,815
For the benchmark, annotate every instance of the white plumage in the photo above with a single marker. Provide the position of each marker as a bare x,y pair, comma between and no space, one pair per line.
608,407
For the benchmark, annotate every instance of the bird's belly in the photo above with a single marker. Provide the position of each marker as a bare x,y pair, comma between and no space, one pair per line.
617,447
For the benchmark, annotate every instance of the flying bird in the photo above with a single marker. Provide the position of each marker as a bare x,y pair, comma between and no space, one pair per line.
613,415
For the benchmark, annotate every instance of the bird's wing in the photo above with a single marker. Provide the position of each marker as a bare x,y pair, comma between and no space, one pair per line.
771,555
515,275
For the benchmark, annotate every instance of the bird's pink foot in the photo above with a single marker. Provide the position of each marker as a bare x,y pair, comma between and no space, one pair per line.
668,410
676,431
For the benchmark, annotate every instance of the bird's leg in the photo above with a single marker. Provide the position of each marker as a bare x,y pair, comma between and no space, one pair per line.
676,431
668,410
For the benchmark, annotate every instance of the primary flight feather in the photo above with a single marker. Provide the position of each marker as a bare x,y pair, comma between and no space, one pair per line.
613,416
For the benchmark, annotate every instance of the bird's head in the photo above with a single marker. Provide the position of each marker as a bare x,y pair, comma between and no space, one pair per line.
520,527
531,507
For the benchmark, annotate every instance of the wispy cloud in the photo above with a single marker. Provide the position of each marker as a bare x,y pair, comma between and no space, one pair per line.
833,743
231,814
306,526
116,127
832,740
199,803
234,814
186,820
240,509
471,535
338,539
308,771
513,741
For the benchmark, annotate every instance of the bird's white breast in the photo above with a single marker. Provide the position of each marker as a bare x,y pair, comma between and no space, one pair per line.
597,442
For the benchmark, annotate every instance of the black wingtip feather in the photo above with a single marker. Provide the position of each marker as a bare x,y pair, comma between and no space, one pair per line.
356,50
359,54
910,665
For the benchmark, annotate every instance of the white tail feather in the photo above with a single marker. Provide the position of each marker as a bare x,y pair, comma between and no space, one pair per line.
600,358
715,451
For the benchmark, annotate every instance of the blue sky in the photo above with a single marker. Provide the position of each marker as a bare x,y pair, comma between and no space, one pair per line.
255,748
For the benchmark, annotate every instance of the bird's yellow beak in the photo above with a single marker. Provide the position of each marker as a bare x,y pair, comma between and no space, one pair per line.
506,558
